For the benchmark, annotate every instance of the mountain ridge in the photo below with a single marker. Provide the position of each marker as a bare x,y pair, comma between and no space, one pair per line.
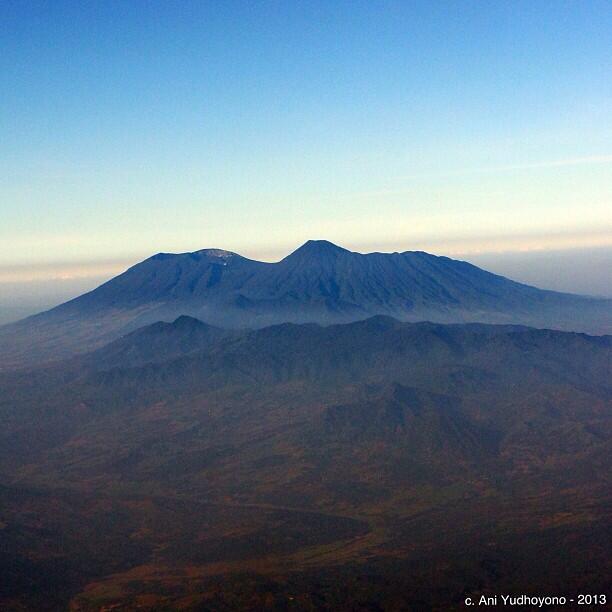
318,282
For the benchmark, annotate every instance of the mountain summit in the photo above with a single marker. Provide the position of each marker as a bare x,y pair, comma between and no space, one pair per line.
320,282
318,249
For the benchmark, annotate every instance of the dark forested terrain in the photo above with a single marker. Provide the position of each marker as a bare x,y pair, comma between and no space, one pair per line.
374,465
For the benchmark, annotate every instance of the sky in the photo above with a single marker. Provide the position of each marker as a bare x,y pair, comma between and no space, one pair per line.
470,129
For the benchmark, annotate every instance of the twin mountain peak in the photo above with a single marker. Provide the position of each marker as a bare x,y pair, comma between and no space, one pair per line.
319,283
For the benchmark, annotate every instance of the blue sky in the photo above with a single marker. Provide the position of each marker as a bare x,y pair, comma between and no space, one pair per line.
128,128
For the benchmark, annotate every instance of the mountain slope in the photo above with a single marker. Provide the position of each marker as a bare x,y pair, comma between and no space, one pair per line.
157,343
320,282
214,470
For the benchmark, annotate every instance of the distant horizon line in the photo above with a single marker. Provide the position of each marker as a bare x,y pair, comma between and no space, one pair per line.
99,268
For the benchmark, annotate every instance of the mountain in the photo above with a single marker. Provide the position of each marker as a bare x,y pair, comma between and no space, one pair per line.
156,343
371,465
319,282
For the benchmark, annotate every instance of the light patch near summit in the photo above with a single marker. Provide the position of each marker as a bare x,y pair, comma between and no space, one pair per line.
219,253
